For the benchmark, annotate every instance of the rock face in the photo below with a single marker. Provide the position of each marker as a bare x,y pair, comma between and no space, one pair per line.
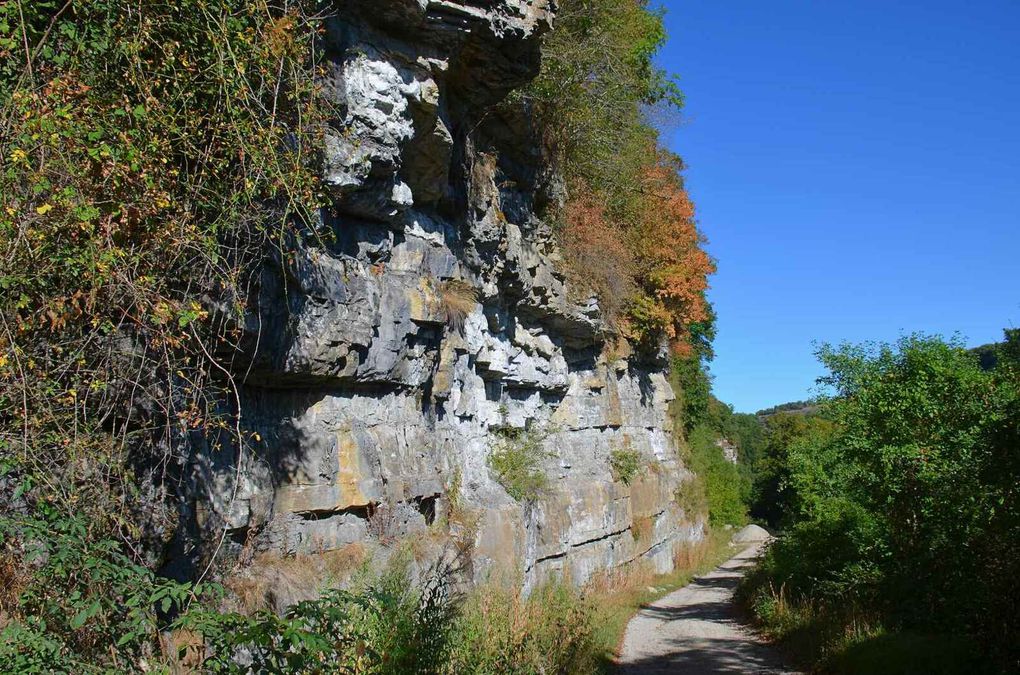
729,451
385,355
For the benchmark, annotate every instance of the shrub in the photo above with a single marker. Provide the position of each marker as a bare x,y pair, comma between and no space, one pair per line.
517,459
390,625
596,257
597,73
906,505
641,529
625,464
691,497
75,604
146,146
722,480
693,388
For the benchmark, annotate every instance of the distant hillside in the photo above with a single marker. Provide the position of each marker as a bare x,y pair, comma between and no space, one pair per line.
793,407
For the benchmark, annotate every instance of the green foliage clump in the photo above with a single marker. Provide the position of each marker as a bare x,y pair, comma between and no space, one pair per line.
625,464
79,605
147,149
719,487
74,604
517,459
391,625
692,386
905,504
721,481
82,606
598,72
774,495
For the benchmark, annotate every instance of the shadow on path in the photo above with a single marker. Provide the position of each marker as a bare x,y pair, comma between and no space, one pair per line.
697,630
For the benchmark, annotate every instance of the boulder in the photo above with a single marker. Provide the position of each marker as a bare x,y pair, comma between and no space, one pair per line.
751,534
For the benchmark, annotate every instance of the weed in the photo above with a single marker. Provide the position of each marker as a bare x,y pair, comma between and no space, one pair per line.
459,299
517,460
625,465
553,630
641,529
691,496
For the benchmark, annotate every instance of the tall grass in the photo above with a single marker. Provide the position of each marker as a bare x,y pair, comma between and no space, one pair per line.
562,629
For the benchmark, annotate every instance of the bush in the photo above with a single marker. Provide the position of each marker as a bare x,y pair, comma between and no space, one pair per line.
625,464
722,480
789,439
517,459
389,625
143,148
597,259
73,604
693,389
905,504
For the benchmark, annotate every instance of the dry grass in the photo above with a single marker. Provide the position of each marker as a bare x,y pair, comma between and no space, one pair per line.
459,299
184,651
641,529
559,628
461,522
12,581
552,630
276,582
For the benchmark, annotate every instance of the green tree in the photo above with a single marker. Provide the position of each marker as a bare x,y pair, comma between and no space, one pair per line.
722,480
774,497
907,505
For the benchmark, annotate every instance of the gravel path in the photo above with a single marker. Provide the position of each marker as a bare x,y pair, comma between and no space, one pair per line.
696,630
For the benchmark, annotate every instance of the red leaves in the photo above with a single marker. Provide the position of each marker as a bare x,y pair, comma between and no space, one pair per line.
597,253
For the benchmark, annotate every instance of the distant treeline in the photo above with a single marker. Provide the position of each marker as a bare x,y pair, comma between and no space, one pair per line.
990,354
791,407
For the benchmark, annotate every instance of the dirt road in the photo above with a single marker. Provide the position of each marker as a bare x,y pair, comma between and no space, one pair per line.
696,630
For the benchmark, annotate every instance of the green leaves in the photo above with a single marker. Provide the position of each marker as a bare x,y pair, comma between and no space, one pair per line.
517,459
624,464
79,591
909,503
140,167
389,625
85,614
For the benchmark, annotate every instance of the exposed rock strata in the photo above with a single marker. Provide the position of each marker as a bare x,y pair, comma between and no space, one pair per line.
363,403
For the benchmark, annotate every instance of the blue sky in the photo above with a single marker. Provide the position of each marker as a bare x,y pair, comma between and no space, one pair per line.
856,168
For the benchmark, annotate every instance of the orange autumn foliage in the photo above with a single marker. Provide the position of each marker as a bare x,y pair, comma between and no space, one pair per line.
644,261
671,266
598,259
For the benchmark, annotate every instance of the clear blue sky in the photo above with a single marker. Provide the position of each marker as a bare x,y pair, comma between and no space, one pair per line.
856,167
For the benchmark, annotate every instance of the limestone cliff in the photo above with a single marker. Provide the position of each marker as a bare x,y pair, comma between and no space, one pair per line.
368,394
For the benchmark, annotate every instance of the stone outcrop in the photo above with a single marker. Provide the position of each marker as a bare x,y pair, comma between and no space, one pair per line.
373,383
